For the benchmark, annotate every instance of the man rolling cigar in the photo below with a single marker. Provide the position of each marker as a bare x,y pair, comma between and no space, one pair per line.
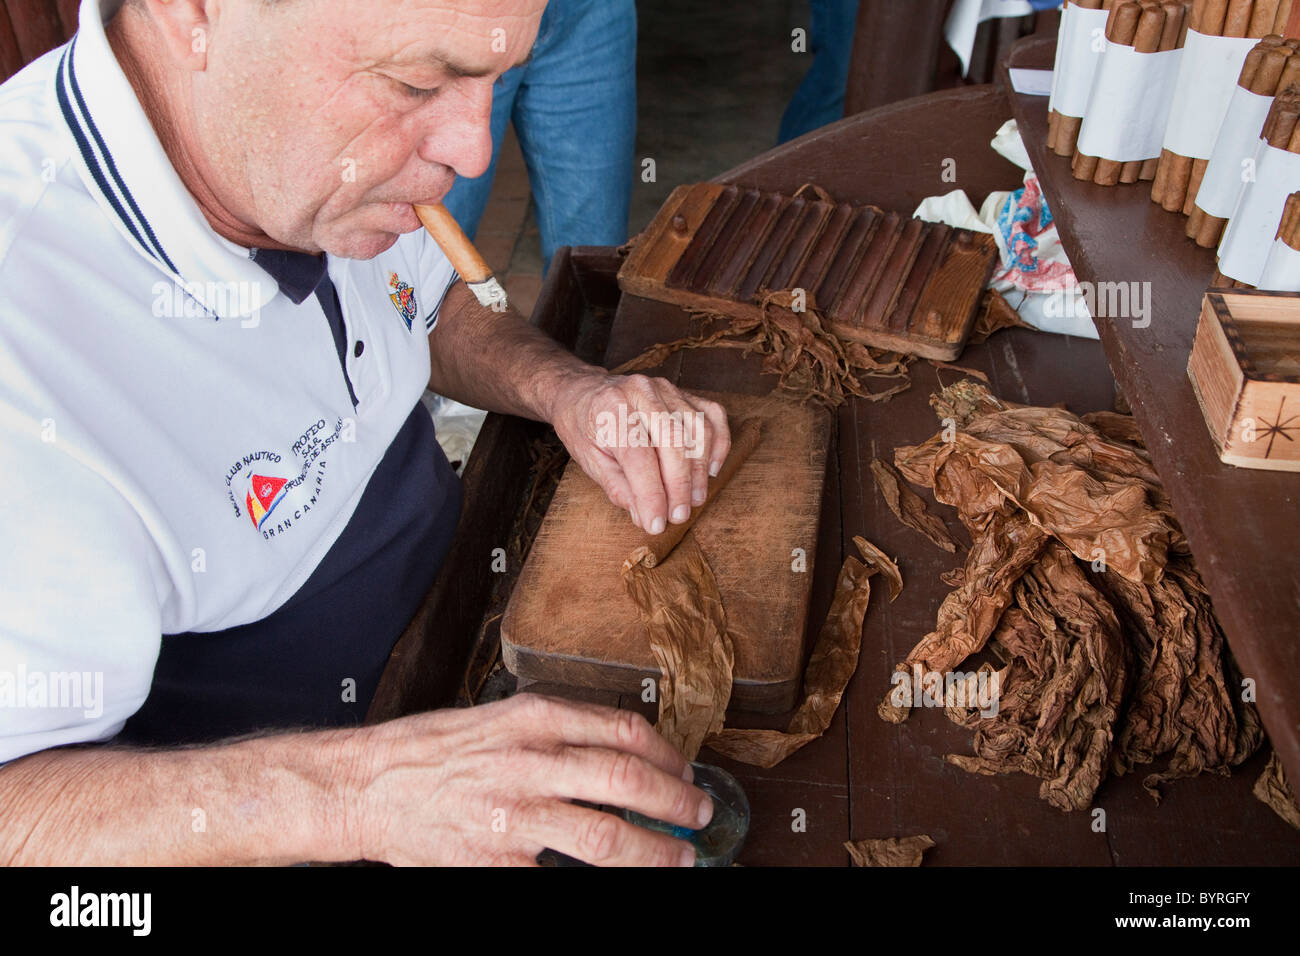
223,501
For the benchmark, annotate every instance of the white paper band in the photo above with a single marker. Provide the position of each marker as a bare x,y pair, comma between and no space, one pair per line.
1206,79
1234,152
1281,269
1079,45
1254,222
1129,104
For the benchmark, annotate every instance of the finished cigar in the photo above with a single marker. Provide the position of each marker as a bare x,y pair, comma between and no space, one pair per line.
1283,116
1288,230
1262,17
1283,18
1237,19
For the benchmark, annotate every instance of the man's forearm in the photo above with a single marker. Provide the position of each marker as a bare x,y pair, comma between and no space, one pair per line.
497,360
277,799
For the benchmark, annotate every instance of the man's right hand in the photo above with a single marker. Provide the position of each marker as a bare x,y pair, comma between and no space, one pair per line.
494,785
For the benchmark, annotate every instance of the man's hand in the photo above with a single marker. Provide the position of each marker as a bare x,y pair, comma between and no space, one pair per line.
493,785
650,446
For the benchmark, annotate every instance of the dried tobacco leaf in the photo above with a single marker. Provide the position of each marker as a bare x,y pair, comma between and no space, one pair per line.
1272,788
808,359
1101,671
995,314
909,507
833,661
1116,426
968,615
687,626
1057,711
890,851
1112,518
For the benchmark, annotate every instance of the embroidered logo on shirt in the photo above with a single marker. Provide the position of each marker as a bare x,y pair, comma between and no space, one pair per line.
264,493
403,298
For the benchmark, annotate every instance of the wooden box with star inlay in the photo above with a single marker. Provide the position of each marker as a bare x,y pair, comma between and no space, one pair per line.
1245,370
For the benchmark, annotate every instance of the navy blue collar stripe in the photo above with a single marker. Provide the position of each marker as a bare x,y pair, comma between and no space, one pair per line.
89,157
433,313
137,225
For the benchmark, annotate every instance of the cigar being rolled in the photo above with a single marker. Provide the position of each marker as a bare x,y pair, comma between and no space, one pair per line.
466,260
655,548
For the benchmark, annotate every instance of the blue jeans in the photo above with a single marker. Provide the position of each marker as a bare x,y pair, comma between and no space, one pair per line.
820,97
574,110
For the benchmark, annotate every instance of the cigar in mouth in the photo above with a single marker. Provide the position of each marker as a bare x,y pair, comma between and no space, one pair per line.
466,260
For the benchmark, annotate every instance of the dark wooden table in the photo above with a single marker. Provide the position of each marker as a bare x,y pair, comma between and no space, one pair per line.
864,778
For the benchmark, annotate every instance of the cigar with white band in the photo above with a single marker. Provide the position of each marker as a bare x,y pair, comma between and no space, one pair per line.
466,260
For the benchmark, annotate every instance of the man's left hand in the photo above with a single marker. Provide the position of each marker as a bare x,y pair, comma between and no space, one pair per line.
650,446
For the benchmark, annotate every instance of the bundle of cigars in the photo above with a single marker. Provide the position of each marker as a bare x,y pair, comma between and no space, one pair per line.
1146,27
1178,177
1271,67
1148,103
1202,98
1264,212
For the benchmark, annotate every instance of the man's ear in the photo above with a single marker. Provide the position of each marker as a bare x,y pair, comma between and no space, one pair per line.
184,28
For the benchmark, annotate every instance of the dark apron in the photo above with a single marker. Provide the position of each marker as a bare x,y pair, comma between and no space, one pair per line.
316,661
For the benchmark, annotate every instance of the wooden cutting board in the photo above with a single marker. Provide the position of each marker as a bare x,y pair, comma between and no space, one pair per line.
879,278
570,620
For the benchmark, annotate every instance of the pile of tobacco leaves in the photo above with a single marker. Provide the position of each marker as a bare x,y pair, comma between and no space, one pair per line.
1080,585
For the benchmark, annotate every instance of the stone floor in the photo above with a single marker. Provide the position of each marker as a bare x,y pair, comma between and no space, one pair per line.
712,82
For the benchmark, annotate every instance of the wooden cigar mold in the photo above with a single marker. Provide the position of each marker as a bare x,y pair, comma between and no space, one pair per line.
875,277
1245,371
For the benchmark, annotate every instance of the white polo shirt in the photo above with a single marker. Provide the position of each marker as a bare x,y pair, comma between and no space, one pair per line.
178,442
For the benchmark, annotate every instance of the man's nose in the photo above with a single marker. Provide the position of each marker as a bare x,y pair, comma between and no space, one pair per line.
461,135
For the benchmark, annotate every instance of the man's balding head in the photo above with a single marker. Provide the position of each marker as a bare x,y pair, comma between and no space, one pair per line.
318,122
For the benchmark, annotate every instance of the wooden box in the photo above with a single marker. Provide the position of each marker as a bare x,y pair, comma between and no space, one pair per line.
876,277
1245,370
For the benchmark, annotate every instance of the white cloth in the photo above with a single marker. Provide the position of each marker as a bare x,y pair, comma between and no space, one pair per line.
133,414
1035,274
965,18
